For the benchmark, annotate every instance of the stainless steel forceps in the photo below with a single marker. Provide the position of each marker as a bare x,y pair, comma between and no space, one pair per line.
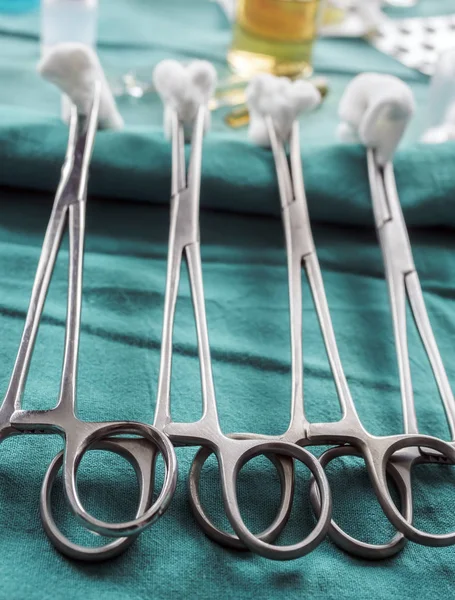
382,455
404,285
69,211
398,453
232,453
300,254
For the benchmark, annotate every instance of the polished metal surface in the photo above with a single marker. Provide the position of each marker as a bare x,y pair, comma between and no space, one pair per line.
393,455
415,42
79,436
300,254
232,452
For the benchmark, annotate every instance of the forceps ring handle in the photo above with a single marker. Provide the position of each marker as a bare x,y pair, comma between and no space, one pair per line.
229,474
285,469
378,471
74,454
348,543
138,455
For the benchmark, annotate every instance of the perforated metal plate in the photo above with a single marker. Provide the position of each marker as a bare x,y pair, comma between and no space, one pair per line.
415,42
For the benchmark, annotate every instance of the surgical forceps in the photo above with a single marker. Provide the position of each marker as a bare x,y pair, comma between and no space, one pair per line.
69,210
403,284
404,451
231,453
301,253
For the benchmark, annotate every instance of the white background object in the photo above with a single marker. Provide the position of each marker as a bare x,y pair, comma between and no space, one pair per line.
360,18
68,21
416,42
440,121
228,7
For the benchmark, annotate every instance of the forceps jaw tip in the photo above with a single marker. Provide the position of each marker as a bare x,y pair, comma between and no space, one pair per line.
180,178
83,127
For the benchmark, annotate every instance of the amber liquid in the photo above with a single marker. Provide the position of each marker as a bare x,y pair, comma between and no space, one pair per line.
275,36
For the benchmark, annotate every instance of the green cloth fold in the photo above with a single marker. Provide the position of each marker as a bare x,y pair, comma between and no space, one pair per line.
134,164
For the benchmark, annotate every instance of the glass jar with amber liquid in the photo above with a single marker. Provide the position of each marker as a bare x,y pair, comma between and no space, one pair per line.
275,36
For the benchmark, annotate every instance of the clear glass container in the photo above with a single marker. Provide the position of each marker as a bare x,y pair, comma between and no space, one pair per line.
68,21
275,36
